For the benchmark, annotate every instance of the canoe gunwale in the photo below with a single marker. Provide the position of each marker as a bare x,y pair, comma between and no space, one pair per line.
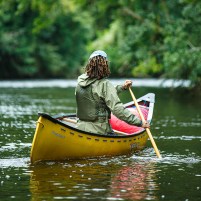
149,98
50,118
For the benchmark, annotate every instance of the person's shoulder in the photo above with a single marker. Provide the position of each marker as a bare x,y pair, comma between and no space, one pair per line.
82,76
104,82
107,85
104,86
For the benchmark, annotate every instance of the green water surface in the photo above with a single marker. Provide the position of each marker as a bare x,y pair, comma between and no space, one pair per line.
175,126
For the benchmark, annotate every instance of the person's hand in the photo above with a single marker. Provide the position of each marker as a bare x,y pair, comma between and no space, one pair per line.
145,124
127,84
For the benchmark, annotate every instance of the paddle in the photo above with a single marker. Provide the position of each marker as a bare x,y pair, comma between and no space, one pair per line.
143,120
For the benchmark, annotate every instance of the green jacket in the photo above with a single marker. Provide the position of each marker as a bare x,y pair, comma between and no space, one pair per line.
104,91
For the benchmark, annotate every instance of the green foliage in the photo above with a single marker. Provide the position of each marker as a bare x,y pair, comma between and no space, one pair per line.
47,38
40,39
182,58
147,67
152,39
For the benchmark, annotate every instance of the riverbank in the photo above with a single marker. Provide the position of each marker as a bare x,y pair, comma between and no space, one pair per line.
62,83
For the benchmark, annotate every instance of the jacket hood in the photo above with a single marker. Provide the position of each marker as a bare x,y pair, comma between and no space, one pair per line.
84,80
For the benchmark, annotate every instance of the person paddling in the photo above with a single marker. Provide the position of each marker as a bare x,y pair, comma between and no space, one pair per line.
96,98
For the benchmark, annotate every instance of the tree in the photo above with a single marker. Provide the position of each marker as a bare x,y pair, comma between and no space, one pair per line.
149,38
40,39
50,38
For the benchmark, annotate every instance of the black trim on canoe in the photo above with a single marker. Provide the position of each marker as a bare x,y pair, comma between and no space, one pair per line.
47,116
148,98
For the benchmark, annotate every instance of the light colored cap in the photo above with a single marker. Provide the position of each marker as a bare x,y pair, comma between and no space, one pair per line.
98,53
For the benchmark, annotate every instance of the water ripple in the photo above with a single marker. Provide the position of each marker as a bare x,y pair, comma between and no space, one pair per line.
183,137
14,162
14,146
149,155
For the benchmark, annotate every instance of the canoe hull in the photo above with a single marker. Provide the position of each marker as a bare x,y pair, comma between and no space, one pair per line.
54,141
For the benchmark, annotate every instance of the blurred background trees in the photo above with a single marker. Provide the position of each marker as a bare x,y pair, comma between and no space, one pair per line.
53,39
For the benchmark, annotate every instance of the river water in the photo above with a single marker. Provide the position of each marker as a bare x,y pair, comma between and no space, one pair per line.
175,126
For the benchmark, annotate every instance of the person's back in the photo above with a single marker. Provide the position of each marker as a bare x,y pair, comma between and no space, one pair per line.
96,98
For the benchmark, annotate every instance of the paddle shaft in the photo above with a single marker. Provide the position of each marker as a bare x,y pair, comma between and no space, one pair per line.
74,122
143,120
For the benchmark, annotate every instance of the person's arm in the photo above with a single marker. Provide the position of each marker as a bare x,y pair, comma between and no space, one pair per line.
120,88
109,94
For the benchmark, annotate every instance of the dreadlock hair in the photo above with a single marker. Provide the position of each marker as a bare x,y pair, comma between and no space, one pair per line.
97,67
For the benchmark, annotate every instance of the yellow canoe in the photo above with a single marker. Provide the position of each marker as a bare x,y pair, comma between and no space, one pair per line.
56,139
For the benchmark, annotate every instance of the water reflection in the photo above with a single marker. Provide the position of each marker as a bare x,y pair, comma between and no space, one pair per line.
135,181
